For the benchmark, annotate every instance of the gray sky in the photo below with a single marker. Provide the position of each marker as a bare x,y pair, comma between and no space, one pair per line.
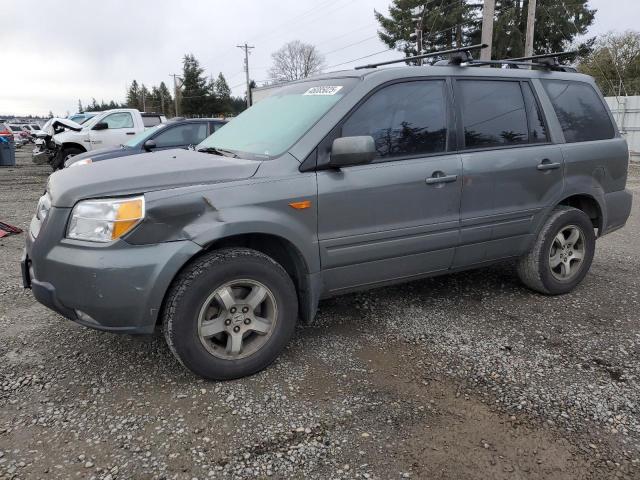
56,52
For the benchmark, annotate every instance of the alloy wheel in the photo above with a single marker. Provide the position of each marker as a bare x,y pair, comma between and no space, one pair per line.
237,319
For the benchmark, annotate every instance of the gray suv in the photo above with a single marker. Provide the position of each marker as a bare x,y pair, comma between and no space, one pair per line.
347,181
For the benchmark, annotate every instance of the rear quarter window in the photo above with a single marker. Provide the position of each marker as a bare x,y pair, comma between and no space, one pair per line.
150,121
580,111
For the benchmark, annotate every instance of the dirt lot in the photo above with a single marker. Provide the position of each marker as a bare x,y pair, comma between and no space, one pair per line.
466,376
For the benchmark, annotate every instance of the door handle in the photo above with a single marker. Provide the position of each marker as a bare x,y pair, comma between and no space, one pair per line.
131,133
439,177
547,165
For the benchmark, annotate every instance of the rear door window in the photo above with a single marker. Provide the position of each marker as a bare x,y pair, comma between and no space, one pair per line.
404,119
580,111
493,113
151,121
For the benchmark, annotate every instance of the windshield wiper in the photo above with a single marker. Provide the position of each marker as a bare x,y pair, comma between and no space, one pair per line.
219,151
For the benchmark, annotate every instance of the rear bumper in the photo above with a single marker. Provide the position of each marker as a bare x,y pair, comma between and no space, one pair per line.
618,205
117,288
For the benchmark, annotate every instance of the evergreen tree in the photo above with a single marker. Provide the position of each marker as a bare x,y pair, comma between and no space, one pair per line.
80,109
451,23
221,88
558,22
194,88
166,101
133,95
445,24
144,98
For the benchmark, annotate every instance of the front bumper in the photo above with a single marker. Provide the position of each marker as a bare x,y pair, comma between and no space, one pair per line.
40,157
117,287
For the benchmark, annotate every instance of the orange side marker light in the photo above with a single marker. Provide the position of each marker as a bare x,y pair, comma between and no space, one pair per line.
301,205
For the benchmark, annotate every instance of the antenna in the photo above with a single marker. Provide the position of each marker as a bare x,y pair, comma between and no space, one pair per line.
465,50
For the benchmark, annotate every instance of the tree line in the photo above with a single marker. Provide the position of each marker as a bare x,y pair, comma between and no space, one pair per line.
612,59
198,96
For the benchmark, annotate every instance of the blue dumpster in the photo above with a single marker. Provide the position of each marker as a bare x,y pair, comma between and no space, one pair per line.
7,153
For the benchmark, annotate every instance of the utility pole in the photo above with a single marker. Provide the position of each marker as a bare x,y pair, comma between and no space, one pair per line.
418,16
246,49
487,28
531,26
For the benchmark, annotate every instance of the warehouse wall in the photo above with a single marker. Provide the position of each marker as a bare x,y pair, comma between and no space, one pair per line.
626,111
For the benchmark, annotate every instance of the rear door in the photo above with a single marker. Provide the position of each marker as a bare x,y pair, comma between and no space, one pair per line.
398,217
511,169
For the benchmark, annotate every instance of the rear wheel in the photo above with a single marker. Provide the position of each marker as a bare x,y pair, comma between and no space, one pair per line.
562,253
230,313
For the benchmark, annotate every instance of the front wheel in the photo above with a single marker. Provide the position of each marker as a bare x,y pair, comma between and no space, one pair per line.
62,156
562,253
230,313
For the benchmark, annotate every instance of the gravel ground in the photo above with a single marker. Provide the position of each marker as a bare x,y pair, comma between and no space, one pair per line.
466,376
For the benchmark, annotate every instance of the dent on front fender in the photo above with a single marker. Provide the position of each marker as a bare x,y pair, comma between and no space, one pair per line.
206,215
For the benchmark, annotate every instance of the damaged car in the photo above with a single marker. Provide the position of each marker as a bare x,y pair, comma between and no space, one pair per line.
343,182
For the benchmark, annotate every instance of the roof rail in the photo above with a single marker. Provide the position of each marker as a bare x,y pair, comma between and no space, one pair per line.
464,50
549,61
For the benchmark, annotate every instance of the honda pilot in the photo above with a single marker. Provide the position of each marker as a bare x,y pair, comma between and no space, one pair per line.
346,181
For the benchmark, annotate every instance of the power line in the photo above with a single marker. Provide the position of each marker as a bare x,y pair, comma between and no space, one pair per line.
351,45
360,58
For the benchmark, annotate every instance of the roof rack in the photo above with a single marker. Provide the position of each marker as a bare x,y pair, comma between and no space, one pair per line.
457,59
549,61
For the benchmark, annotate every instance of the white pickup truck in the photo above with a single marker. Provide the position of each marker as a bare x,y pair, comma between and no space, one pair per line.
106,130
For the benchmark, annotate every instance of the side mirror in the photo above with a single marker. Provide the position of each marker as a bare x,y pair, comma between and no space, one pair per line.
349,151
101,126
149,145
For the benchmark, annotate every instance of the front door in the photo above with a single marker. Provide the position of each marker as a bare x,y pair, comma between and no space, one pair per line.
511,170
120,130
398,217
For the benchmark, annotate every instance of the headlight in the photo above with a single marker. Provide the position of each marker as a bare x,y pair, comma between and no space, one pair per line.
105,220
84,161
44,205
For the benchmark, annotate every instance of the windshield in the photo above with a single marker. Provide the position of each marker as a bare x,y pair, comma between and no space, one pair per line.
143,136
270,127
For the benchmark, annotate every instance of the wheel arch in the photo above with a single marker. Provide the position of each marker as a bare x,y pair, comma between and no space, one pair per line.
282,251
66,145
589,205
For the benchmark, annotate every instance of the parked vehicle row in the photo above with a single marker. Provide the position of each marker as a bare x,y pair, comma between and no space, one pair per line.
342,182
176,133
64,138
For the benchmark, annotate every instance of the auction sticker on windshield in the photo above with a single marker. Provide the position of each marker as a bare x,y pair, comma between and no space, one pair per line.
327,90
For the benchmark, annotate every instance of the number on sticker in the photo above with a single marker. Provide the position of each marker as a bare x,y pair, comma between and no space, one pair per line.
328,90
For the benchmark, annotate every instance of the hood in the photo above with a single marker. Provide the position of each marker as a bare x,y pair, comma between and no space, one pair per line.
103,154
143,173
58,124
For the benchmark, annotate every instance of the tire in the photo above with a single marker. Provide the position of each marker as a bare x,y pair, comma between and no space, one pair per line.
200,289
539,268
63,156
